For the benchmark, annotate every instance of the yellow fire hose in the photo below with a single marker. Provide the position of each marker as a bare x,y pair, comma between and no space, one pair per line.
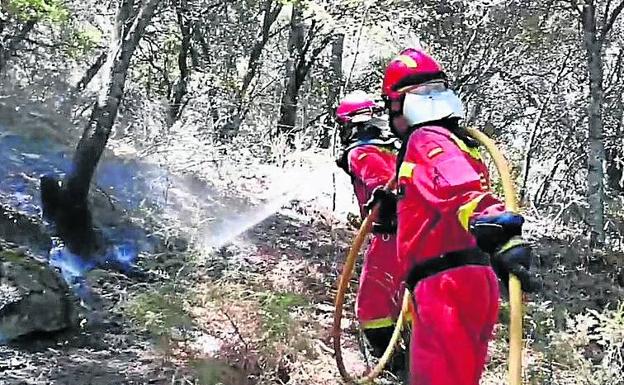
515,291
347,272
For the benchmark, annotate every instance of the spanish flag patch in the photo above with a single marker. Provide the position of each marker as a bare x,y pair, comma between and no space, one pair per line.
434,152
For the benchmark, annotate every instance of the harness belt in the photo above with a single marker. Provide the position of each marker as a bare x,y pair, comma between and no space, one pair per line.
422,270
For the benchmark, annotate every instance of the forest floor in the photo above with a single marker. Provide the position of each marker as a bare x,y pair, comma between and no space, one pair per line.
259,309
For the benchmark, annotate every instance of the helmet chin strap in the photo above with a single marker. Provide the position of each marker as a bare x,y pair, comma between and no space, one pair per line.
395,111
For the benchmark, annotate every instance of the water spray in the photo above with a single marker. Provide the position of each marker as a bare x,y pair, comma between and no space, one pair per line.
304,186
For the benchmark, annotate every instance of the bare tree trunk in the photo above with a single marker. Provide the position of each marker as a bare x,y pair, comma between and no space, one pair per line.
124,17
67,204
336,83
181,86
288,108
596,155
271,11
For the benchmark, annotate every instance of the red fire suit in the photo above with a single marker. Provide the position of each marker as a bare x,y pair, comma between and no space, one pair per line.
442,184
377,304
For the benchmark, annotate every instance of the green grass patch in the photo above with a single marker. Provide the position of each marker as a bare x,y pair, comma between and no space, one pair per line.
276,309
160,312
215,372
11,256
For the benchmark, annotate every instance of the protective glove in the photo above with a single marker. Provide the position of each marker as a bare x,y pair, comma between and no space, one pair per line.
491,232
342,162
386,221
515,257
500,236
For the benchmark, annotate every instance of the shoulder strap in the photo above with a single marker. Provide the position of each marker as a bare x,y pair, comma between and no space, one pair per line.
402,151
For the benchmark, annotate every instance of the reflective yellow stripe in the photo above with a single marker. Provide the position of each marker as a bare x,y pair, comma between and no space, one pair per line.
434,152
408,61
406,170
387,150
513,242
377,323
472,151
466,210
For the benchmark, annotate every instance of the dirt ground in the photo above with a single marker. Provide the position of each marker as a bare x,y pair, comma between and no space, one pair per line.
256,311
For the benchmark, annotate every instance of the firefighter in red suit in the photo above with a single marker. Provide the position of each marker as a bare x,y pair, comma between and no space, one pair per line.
453,234
369,157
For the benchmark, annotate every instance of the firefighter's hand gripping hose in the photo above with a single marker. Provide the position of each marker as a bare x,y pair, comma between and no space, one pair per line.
347,272
515,291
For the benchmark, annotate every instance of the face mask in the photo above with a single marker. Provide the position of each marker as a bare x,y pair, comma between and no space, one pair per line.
419,108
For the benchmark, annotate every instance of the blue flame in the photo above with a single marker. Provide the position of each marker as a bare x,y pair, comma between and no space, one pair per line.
125,254
129,184
74,267
24,160
71,265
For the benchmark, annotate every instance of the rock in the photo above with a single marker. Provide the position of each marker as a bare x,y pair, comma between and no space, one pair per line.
33,298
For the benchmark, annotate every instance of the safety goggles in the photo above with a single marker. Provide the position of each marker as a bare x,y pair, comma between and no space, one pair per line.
363,114
428,88
361,117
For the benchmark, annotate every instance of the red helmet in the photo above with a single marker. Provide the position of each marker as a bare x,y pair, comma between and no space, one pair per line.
356,107
412,66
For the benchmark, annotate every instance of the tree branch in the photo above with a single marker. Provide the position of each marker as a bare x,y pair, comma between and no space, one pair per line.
536,125
316,52
94,138
90,73
615,76
310,38
576,7
611,20
270,15
180,87
14,41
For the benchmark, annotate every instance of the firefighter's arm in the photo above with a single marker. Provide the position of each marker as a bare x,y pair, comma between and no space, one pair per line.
451,185
375,171
367,165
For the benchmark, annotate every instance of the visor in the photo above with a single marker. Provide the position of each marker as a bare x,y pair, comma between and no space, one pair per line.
359,118
431,106
432,87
